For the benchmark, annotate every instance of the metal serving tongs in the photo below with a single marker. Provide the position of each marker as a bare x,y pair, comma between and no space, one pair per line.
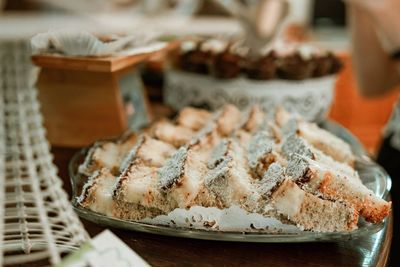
261,19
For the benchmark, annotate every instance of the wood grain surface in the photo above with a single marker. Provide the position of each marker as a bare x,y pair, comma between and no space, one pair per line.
97,64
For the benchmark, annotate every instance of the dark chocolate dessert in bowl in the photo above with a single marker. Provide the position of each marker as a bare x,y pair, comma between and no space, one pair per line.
212,72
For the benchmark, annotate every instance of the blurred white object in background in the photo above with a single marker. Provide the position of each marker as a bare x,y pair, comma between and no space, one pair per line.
260,19
76,42
143,7
312,98
37,222
265,20
179,8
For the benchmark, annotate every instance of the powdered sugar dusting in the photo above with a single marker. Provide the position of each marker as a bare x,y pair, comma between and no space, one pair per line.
260,145
206,130
297,167
272,178
172,171
290,127
219,153
131,154
296,145
217,176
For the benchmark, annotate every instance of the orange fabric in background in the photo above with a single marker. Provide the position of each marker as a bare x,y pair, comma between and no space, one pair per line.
364,117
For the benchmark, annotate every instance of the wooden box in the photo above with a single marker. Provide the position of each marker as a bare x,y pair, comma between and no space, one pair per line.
84,99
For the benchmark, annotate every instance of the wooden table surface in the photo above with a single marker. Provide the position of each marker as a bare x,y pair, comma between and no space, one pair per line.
168,251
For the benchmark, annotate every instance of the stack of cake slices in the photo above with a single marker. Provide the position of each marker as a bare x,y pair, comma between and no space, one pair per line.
277,165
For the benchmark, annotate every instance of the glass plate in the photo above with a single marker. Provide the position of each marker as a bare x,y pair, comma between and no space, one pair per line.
373,176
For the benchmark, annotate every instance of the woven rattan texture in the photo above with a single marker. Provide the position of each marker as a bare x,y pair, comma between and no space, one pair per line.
37,222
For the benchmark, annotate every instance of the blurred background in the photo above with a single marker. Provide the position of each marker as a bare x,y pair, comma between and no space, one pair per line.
322,22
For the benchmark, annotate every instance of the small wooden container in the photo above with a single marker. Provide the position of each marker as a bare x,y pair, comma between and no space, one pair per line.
84,99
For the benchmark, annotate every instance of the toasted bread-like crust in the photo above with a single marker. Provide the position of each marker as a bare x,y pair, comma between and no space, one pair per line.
107,154
311,212
327,142
261,153
254,119
372,208
151,151
229,180
175,135
318,179
294,145
97,192
137,186
181,178
193,118
228,119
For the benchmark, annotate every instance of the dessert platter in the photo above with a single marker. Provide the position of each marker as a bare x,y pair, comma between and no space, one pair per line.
209,73
233,175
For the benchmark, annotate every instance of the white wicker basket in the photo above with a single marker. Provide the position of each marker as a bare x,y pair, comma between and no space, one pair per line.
37,222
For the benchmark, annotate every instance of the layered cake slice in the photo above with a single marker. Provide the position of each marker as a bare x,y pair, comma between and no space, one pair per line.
193,118
261,153
327,143
98,191
228,119
229,180
294,145
306,210
181,178
151,151
320,179
254,119
137,195
107,154
321,139
171,133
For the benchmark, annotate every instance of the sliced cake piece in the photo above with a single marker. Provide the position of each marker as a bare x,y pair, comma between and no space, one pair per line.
137,195
219,153
294,145
175,135
260,153
254,119
229,180
320,139
207,137
320,179
227,119
193,118
327,143
107,154
243,137
151,151
204,142
307,211
97,192
181,178
282,116
272,129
